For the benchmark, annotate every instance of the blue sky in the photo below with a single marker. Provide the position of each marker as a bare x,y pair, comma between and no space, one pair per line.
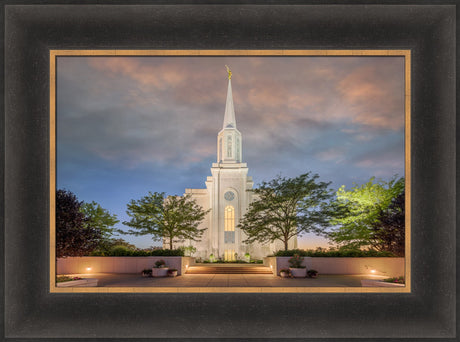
130,125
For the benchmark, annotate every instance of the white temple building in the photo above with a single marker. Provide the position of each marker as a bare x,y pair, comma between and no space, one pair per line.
227,195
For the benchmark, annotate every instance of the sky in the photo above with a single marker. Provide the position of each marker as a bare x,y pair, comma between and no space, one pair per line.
130,125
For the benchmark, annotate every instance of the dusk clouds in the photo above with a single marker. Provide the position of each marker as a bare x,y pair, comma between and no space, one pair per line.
129,125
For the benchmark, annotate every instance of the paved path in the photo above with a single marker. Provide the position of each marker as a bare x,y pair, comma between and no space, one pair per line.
226,280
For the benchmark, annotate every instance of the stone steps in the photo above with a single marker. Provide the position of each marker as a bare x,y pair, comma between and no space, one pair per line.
228,270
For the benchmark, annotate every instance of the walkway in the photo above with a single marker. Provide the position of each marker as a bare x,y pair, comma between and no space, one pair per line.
226,280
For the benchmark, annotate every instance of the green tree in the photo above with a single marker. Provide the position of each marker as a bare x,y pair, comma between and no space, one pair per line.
99,218
286,207
108,244
189,250
74,236
389,228
360,208
172,218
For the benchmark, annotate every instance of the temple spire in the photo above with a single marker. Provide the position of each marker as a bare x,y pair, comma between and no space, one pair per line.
229,118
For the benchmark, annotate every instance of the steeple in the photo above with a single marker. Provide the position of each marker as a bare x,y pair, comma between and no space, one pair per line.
229,118
229,145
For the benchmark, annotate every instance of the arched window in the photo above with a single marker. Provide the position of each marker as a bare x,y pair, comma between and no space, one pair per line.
229,218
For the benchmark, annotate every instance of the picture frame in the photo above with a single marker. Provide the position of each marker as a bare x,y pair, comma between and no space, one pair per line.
31,311
405,59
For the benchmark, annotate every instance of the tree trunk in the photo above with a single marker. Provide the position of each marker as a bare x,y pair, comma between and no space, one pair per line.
170,242
285,245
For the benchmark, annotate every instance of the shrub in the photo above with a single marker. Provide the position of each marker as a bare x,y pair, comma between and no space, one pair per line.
147,271
160,263
97,253
62,279
355,253
124,251
189,250
139,253
290,252
120,251
312,273
212,258
296,261
167,252
398,280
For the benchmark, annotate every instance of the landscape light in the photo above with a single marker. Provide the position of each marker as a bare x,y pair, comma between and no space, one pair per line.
372,271
88,268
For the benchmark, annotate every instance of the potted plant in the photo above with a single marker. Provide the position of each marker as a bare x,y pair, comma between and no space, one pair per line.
160,269
212,258
147,272
296,268
312,273
172,272
284,273
247,256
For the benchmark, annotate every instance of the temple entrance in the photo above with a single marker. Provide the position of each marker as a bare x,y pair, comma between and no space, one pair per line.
229,255
228,269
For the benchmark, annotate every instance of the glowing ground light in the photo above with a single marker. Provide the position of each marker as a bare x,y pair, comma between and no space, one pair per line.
88,268
372,271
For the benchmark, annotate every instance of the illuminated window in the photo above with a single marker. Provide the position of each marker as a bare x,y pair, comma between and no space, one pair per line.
229,218
229,255
229,146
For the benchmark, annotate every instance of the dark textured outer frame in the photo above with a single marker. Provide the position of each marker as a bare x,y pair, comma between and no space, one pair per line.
32,313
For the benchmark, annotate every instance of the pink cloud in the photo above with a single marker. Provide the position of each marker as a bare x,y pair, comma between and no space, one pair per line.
376,99
160,76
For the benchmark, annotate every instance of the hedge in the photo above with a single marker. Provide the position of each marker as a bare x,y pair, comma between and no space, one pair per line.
129,252
334,254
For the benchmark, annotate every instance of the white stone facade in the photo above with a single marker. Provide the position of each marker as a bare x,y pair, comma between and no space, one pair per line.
227,196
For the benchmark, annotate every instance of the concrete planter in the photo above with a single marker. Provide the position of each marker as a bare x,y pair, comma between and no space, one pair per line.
298,272
172,274
159,272
126,264
384,266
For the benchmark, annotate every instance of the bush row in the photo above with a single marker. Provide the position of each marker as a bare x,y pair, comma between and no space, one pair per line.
230,262
334,253
129,252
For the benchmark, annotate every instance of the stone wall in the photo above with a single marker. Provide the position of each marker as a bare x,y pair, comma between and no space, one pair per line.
391,267
126,264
